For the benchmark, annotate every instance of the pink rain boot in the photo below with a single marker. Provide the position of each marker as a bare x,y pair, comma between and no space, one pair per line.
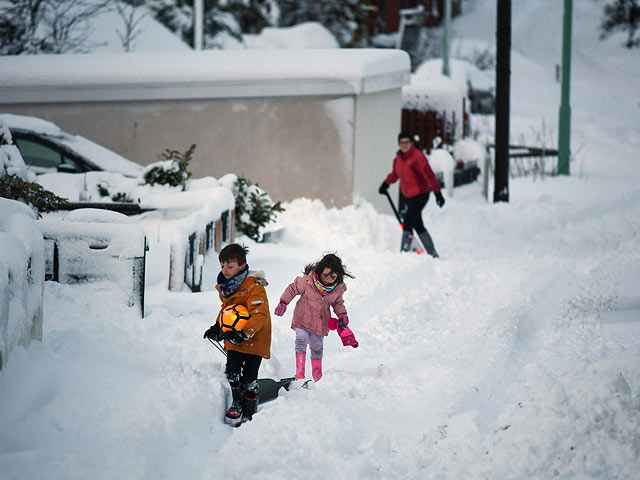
316,368
301,359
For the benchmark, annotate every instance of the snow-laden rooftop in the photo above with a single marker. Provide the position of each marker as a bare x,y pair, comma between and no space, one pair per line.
200,74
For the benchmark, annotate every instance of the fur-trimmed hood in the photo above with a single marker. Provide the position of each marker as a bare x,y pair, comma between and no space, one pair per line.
260,277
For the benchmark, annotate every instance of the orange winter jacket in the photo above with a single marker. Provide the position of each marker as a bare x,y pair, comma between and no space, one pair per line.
251,294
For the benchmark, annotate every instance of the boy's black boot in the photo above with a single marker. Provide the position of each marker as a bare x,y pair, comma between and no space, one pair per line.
250,406
235,410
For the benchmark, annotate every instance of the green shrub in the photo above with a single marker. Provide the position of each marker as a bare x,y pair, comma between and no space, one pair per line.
171,169
254,208
15,188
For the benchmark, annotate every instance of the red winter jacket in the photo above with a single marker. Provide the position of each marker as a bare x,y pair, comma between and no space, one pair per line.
414,172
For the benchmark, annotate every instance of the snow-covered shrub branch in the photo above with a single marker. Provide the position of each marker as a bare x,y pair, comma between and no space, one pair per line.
254,207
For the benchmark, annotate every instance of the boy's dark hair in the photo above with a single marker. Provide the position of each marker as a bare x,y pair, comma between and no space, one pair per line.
404,134
234,251
331,261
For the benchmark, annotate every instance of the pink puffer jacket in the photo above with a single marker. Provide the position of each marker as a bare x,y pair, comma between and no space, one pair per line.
312,310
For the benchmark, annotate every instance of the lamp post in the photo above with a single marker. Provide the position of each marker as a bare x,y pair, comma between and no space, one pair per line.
445,41
564,122
198,13
503,73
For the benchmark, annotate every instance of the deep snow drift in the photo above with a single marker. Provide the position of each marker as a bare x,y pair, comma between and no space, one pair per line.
515,355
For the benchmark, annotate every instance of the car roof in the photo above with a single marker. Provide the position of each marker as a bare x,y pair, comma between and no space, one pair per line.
94,153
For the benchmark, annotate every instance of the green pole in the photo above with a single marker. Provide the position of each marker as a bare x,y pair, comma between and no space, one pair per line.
445,42
564,123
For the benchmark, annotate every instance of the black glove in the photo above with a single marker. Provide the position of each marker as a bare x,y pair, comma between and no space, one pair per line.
439,199
235,336
383,188
214,332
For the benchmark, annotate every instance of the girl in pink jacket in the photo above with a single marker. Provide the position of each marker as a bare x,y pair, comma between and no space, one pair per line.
319,288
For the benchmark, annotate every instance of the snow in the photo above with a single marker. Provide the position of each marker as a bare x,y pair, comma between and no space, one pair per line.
438,94
461,72
303,35
514,355
21,276
140,75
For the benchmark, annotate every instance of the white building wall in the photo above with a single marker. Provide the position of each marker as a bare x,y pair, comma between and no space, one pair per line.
377,124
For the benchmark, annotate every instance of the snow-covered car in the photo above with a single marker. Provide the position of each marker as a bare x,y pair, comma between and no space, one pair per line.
478,86
45,148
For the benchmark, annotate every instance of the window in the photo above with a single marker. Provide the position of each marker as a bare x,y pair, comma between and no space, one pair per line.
37,155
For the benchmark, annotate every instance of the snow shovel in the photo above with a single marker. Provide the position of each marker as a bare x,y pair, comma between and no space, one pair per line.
268,387
397,214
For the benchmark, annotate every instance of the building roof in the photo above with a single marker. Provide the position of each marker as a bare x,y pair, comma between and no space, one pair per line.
200,74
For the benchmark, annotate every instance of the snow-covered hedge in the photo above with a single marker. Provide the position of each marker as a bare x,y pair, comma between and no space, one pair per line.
198,237
21,277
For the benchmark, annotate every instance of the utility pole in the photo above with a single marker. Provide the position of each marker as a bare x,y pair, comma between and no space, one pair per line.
503,73
198,14
445,41
564,123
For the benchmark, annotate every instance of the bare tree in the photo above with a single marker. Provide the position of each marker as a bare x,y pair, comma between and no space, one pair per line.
47,26
128,14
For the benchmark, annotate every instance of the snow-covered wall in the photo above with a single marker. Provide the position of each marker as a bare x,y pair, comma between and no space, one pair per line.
285,119
21,277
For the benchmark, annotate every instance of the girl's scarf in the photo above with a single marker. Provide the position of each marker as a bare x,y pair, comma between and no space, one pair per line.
324,289
228,287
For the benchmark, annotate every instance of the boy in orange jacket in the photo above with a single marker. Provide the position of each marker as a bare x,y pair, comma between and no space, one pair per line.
246,348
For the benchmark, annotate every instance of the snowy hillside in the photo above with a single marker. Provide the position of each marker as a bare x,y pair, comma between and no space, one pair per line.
514,355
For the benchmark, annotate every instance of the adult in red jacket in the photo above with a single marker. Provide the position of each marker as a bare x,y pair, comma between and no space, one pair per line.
416,181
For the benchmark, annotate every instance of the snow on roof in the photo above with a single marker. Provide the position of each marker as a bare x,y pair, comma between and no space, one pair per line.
200,74
461,72
439,94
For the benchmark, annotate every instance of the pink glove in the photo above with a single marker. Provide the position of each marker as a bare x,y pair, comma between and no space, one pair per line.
280,309
333,323
343,320
347,337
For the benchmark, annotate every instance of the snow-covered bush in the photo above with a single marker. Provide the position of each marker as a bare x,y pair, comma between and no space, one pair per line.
469,150
254,207
18,183
21,277
171,170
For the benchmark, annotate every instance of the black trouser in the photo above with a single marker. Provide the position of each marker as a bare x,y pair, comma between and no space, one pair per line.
413,217
242,369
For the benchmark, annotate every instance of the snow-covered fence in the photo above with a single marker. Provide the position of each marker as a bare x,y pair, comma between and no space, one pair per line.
92,245
204,233
21,277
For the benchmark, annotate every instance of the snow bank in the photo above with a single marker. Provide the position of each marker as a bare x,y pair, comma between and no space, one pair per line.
21,277
303,35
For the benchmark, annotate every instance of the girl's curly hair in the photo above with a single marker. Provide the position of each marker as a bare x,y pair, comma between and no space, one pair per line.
331,261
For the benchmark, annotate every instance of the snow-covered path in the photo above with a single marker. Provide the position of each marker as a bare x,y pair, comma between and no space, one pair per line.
515,355
501,359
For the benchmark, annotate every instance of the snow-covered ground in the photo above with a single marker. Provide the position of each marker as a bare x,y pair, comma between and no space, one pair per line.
514,355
